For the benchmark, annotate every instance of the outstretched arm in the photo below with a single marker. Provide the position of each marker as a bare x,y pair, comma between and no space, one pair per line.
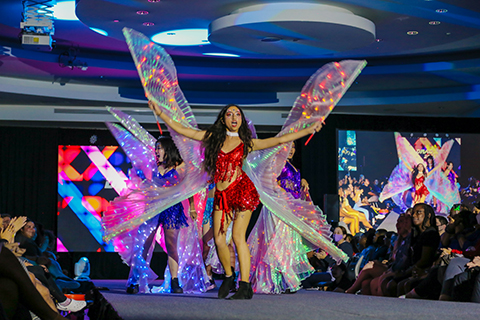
176,126
259,144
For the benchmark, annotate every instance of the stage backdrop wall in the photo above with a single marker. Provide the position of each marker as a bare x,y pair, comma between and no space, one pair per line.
28,169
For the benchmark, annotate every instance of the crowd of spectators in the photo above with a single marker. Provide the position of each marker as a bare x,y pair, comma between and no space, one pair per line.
33,284
428,257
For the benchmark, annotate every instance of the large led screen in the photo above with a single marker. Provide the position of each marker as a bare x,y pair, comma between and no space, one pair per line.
381,174
88,178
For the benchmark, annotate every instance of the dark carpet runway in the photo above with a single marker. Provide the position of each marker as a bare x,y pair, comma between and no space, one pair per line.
302,305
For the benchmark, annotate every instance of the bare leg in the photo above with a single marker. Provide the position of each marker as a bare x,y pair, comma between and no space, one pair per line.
220,237
240,224
171,236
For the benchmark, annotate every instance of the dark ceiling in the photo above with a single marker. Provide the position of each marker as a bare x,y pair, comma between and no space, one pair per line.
423,57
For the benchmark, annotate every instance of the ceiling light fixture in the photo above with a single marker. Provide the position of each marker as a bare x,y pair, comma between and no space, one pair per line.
65,10
434,23
291,29
148,24
219,54
182,37
142,12
412,33
154,1
441,10
100,31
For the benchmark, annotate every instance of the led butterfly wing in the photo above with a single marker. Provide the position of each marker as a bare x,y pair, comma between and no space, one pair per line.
401,177
318,98
438,184
158,76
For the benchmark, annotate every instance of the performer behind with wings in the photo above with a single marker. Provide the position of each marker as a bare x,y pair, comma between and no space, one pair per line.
279,258
227,143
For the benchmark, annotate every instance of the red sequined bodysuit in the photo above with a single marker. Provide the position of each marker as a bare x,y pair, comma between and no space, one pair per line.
240,195
420,188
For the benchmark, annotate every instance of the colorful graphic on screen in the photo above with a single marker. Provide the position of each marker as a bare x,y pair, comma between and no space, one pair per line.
88,178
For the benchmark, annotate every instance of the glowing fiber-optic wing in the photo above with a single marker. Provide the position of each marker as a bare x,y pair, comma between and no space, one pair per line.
318,98
438,184
400,179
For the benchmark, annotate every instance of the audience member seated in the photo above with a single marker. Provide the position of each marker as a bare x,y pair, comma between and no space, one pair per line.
374,273
442,223
451,272
342,280
5,219
423,248
36,257
43,287
322,262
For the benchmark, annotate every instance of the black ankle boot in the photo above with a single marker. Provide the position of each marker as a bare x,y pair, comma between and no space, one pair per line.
175,286
227,285
132,289
245,291
234,275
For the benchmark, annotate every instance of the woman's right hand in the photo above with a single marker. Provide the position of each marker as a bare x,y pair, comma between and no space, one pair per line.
154,107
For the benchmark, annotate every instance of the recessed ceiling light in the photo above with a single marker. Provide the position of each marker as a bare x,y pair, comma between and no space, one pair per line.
116,20
221,54
441,10
434,23
64,10
148,24
142,12
182,37
412,33
153,1
102,32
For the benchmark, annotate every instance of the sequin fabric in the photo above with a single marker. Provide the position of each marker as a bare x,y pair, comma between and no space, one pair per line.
228,163
207,214
241,194
290,180
420,188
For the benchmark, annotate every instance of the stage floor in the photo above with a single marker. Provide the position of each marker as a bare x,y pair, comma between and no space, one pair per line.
301,305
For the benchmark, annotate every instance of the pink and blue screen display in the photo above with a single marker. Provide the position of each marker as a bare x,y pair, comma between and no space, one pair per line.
88,178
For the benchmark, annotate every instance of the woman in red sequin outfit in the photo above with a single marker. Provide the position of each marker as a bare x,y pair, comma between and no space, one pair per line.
227,143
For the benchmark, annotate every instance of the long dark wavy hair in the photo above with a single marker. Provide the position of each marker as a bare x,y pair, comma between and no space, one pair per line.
216,135
172,157
415,172
429,219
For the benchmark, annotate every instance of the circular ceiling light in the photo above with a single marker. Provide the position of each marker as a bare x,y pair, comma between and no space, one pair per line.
182,37
412,33
100,31
64,10
148,24
441,10
142,12
434,23
292,29
219,54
